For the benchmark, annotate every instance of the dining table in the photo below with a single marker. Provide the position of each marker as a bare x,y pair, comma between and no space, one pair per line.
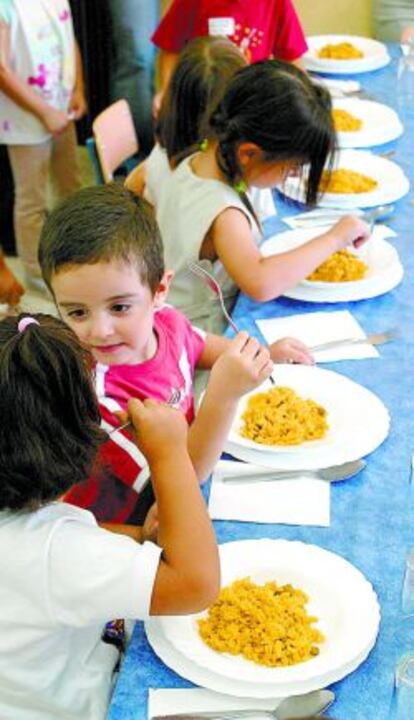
372,514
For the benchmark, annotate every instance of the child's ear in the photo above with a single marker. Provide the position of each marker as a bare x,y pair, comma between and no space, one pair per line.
161,292
248,152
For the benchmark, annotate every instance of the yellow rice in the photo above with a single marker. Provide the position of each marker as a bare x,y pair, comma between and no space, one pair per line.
344,121
281,417
340,51
342,266
346,181
267,624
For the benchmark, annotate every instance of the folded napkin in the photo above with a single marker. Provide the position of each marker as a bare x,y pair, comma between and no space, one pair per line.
338,88
303,501
166,702
317,328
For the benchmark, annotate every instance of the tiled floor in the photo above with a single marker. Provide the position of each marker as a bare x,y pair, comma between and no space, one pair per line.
33,300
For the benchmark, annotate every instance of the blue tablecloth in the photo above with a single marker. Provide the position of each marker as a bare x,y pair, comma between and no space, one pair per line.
372,522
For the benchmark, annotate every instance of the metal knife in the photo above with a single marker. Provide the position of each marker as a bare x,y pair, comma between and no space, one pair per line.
375,339
300,706
335,473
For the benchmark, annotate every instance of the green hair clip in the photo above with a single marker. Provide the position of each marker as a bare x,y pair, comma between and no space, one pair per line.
204,145
240,187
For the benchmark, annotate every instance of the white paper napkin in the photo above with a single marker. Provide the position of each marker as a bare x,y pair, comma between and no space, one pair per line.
303,501
165,702
338,88
317,328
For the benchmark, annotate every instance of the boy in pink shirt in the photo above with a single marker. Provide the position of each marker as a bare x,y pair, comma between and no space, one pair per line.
262,29
101,256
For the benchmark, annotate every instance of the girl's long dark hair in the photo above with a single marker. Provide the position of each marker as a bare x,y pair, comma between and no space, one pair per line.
197,85
276,106
50,417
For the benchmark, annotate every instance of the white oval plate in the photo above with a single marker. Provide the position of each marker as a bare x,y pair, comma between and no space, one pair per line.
348,615
375,55
392,182
379,255
381,123
345,401
359,422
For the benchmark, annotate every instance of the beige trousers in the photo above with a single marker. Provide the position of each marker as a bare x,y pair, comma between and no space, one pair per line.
32,167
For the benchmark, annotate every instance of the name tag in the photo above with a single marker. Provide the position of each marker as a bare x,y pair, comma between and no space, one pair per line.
221,26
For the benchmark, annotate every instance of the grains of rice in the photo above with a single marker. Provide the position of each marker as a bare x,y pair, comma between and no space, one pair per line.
346,181
281,417
267,624
340,51
342,266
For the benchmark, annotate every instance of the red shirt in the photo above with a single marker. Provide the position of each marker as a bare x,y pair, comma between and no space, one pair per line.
122,471
261,28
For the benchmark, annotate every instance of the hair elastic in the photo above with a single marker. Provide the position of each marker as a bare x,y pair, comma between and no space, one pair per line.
203,145
24,322
240,187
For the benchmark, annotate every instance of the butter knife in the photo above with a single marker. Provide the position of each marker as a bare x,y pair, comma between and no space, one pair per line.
374,339
334,473
300,706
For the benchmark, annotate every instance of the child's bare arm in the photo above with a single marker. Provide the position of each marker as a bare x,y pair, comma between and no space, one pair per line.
166,66
244,365
137,178
264,278
188,575
78,105
22,94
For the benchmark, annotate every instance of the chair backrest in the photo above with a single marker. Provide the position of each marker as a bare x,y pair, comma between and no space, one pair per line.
115,137
93,156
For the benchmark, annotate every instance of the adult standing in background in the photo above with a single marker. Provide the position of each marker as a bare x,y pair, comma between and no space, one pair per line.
391,17
261,28
41,94
132,72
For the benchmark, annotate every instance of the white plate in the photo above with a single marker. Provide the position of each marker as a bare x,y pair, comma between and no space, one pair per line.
384,268
358,419
375,55
380,123
352,294
348,614
392,183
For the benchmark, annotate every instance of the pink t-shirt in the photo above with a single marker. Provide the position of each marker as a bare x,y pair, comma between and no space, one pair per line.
261,28
112,492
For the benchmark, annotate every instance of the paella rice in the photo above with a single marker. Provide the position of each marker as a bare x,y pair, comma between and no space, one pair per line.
281,417
267,624
340,51
344,121
346,181
342,266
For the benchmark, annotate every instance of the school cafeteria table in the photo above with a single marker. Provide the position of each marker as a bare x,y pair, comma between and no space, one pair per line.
372,518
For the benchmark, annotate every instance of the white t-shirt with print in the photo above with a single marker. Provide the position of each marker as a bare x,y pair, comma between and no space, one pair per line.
42,54
62,579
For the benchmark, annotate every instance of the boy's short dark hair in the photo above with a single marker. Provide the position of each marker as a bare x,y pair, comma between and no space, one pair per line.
50,430
102,223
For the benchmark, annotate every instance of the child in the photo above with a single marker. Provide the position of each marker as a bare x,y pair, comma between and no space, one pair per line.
272,120
63,576
41,93
101,256
262,29
204,69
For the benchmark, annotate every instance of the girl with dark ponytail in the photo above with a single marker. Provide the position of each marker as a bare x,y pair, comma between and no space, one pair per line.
272,121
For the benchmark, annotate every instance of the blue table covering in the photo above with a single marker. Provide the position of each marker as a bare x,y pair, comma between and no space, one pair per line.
372,519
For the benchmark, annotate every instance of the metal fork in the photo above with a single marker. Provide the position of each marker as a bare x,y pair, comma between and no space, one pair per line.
172,401
212,283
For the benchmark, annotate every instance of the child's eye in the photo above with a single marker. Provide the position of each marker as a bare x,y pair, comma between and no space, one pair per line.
76,314
120,308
